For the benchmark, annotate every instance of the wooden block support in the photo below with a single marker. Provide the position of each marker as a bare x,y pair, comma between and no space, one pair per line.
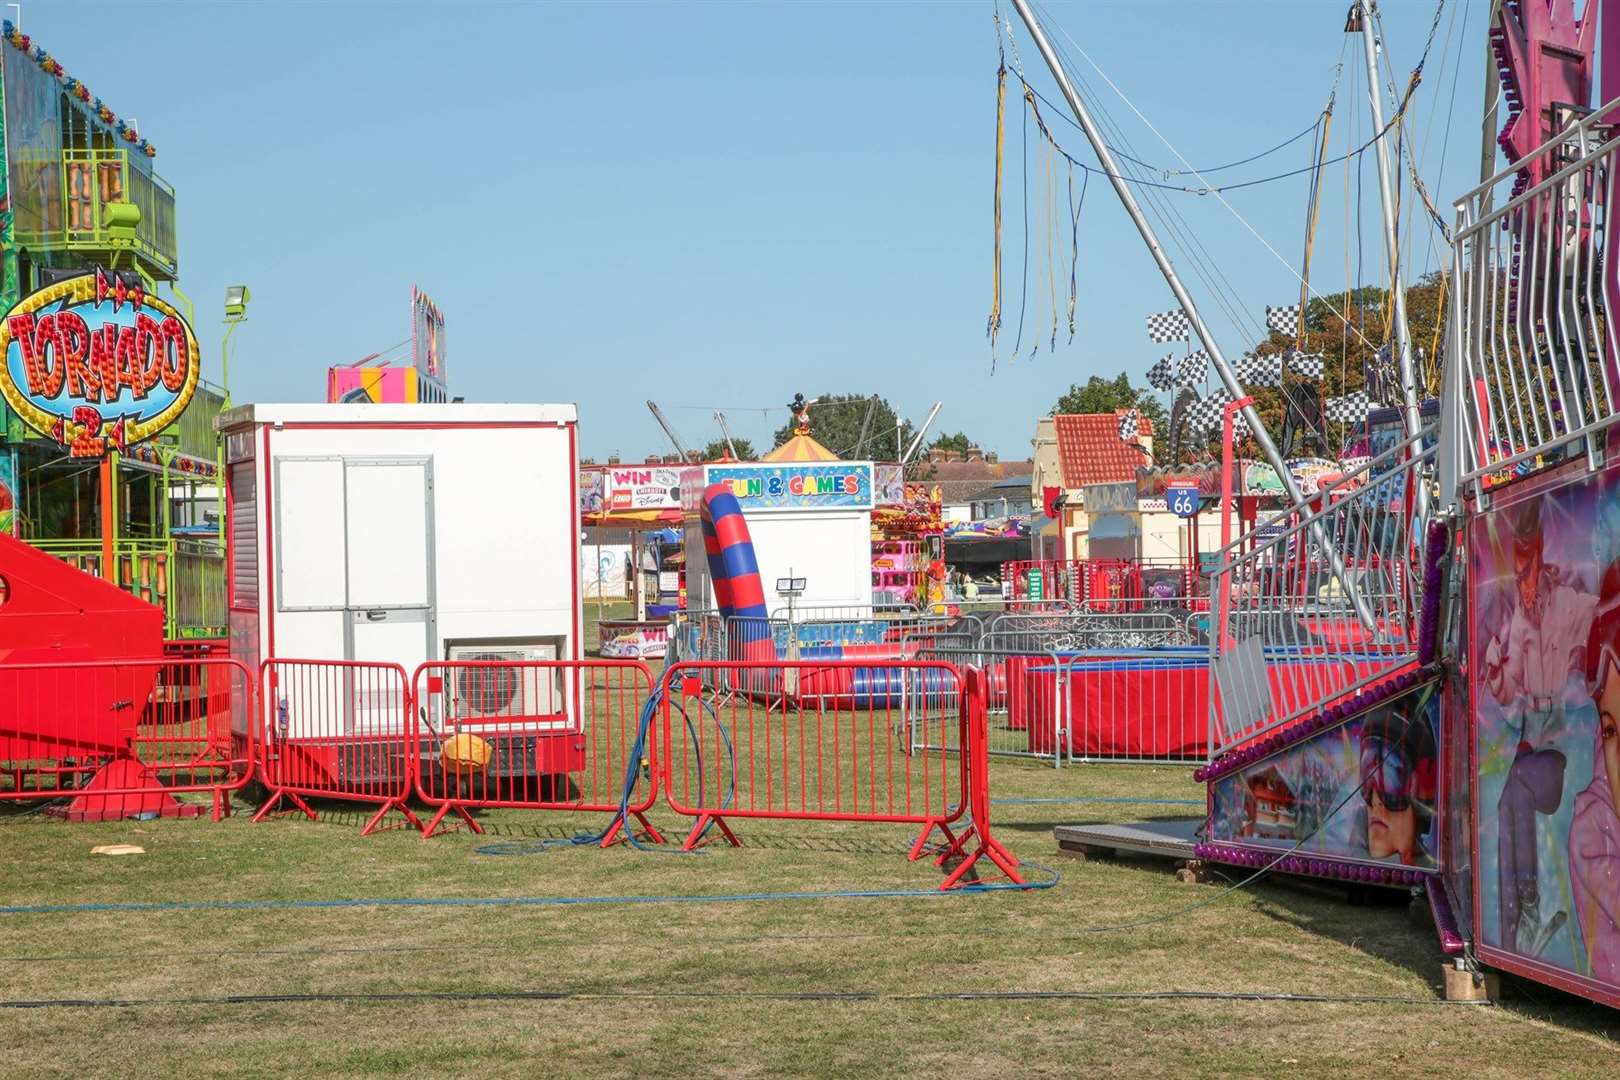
1194,872
1465,985
1079,852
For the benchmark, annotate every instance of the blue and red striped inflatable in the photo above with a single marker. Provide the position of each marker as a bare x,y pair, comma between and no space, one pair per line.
735,572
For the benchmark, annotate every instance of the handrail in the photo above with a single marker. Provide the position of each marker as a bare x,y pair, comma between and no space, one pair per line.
1556,141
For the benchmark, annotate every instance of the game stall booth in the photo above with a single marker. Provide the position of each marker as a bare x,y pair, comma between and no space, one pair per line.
806,517
645,500
908,541
810,516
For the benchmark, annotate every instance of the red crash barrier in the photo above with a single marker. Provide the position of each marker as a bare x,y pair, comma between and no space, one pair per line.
336,729
975,842
118,738
829,743
539,735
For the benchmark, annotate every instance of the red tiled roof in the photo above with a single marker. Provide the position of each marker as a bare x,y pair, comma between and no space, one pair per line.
1090,450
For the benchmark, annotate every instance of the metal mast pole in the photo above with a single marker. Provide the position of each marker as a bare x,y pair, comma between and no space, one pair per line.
1229,378
1400,334
1111,168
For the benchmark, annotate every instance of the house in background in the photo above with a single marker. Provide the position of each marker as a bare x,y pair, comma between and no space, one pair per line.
962,476
1009,498
1074,451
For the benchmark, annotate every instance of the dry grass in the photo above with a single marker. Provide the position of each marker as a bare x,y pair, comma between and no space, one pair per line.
759,987
731,987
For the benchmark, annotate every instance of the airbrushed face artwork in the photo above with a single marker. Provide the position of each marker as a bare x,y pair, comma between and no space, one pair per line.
97,364
1363,791
1544,626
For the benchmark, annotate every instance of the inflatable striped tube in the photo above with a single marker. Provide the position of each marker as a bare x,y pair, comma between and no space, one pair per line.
735,573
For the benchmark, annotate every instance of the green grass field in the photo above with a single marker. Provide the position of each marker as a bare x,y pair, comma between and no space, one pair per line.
1081,976
825,987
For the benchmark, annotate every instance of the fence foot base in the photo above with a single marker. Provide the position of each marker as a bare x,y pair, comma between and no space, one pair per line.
619,828
702,824
652,832
990,848
382,812
299,804
919,848
440,815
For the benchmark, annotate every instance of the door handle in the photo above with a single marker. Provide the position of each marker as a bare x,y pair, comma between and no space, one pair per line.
376,614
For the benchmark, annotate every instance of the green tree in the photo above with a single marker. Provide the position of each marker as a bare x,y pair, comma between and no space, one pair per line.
717,449
1100,395
958,443
1347,329
836,421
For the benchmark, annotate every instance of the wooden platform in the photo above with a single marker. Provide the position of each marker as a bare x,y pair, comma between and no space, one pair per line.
1173,839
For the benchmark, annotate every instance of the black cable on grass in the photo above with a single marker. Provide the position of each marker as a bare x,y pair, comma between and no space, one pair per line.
817,996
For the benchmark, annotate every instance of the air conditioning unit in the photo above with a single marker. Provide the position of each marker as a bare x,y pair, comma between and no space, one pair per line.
503,689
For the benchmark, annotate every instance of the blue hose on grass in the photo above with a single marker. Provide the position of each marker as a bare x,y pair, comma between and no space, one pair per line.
632,770
139,906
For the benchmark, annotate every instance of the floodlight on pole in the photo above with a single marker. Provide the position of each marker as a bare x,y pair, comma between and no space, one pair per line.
236,303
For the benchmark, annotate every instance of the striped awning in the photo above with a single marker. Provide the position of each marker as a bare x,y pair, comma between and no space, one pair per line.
801,448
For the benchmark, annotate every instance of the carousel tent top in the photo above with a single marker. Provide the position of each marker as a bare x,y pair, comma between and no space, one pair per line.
801,447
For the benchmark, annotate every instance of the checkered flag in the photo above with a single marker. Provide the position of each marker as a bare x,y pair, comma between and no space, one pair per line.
1256,370
1268,370
1162,376
1129,423
1309,365
1283,320
1192,369
1350,408
1202,416
1168,326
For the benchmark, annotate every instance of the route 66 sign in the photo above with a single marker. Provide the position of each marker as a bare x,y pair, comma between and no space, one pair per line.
1182,501
97,364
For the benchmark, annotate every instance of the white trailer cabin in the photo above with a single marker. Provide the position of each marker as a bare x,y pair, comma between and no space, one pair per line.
404,533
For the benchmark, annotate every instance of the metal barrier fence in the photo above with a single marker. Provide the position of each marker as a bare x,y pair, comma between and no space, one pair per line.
1146,706
1106,584
1325,606
817,741
1014,725
537,735
978,770
1129,706
1534,362
1166,623
336,729
120,738
811,740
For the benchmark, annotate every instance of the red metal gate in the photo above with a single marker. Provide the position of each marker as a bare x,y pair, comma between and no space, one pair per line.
539,735
336,729
816,740
119,738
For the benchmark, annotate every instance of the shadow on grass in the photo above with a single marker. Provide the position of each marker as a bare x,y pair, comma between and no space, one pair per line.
1380,924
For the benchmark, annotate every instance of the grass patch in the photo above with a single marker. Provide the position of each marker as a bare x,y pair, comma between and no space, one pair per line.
733,988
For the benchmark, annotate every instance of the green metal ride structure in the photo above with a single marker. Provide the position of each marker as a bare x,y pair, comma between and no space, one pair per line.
78,192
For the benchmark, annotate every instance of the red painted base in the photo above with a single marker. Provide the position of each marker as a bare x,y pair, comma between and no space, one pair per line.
124,788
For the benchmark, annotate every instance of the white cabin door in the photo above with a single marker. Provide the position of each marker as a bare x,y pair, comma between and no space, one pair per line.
388,543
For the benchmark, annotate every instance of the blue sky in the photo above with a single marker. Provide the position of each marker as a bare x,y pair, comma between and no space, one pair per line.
719,205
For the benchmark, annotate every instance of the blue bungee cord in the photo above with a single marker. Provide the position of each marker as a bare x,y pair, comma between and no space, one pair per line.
632,770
